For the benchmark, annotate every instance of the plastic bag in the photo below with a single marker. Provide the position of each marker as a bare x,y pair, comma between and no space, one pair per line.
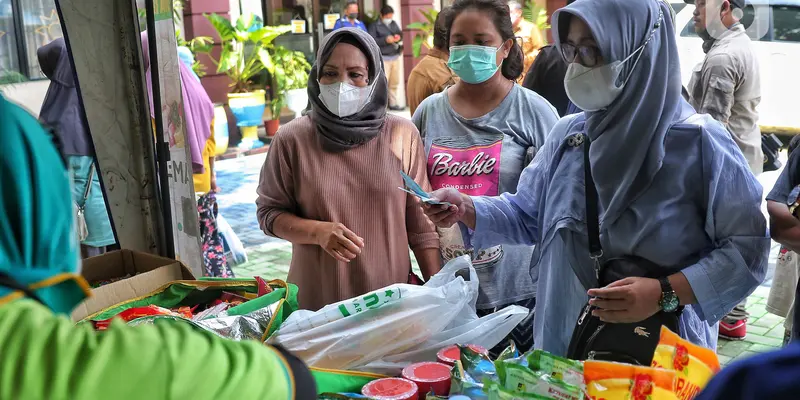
487,332
352,333
234,249
694,365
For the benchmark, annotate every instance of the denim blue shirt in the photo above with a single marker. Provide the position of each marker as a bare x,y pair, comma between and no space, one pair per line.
700,215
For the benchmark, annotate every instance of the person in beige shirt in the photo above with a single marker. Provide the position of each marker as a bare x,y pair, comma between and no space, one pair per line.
431,75
727,86
529,35
330,181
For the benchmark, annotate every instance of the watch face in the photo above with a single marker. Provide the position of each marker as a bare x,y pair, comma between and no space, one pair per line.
669,301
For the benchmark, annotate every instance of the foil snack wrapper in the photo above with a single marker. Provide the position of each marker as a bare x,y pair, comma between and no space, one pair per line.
250,326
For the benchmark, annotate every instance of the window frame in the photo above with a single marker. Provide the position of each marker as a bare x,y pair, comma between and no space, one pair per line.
24,63
772,22
688,30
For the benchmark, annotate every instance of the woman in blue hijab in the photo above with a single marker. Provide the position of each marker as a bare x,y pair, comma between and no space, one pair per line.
672,186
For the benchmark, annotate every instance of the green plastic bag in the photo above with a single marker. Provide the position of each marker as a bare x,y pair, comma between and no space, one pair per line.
193,292
339,381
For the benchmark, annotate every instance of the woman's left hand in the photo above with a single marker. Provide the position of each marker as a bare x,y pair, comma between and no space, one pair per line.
627,300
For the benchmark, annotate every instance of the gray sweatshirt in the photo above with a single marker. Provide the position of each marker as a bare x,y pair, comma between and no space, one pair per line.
485,156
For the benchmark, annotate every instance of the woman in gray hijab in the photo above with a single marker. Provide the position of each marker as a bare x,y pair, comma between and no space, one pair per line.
638,177
330,181
62,113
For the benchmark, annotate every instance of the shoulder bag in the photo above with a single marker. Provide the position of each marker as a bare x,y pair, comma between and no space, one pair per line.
80,218
593,339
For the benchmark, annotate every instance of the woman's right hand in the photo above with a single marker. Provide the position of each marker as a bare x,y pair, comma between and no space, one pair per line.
446,216
338,241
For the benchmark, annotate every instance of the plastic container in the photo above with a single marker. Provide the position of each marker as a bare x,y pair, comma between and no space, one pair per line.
449,355
429,377
391,389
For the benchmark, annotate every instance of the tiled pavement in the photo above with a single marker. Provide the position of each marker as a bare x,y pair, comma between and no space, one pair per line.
269,257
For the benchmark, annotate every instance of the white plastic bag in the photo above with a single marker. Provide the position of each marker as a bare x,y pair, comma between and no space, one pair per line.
487,331
234,250
388,329
355,332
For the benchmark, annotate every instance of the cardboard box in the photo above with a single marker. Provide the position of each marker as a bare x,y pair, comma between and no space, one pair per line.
149,272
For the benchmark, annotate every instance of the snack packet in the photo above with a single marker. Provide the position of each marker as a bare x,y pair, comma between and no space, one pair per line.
341,396
134,313
461,382
568,371
615,381
693,365
496,392
516,378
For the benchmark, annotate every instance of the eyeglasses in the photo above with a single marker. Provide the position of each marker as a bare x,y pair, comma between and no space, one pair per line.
588,55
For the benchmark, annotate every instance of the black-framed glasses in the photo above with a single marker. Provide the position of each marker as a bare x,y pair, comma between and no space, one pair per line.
587,56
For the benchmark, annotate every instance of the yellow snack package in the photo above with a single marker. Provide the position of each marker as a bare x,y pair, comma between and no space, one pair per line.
614,381
693,365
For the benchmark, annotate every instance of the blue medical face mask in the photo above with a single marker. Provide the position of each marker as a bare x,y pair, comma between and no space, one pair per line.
474,64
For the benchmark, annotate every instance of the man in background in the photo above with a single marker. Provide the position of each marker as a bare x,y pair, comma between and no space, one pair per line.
727,86
528,33
431,75
389,37
546,77
350,18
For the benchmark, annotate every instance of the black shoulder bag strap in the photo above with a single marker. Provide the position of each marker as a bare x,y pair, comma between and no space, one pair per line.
592,207
11,283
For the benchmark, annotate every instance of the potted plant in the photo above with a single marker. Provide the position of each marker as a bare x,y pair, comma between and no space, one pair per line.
425,35
289,82
246,47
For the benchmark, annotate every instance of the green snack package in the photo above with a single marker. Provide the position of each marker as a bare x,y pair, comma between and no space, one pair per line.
569,371
341,396
522,380
517,378
496,392
462,383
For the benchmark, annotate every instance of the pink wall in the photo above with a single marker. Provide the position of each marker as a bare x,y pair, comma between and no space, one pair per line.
195,24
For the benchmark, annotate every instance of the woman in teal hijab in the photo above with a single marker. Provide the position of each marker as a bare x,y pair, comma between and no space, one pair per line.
45,356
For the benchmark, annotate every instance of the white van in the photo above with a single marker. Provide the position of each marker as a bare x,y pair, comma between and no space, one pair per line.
776,39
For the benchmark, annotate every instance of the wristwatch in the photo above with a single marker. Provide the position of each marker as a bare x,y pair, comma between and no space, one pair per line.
669,299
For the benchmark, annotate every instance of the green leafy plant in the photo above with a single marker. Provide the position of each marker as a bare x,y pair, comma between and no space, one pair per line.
11,77
200,44
370,17
536,15
290,71
425,35
246,47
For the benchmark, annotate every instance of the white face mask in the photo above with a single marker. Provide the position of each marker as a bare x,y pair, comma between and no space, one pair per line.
593,89
387,21
344,99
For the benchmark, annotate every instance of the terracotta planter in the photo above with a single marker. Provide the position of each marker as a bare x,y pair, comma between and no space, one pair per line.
271,126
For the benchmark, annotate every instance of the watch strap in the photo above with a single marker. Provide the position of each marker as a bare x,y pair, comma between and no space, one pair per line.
666,287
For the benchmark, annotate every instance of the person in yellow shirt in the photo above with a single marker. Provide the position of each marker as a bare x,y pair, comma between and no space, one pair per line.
528,33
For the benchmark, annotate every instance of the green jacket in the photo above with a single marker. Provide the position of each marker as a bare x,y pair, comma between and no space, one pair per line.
46,356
